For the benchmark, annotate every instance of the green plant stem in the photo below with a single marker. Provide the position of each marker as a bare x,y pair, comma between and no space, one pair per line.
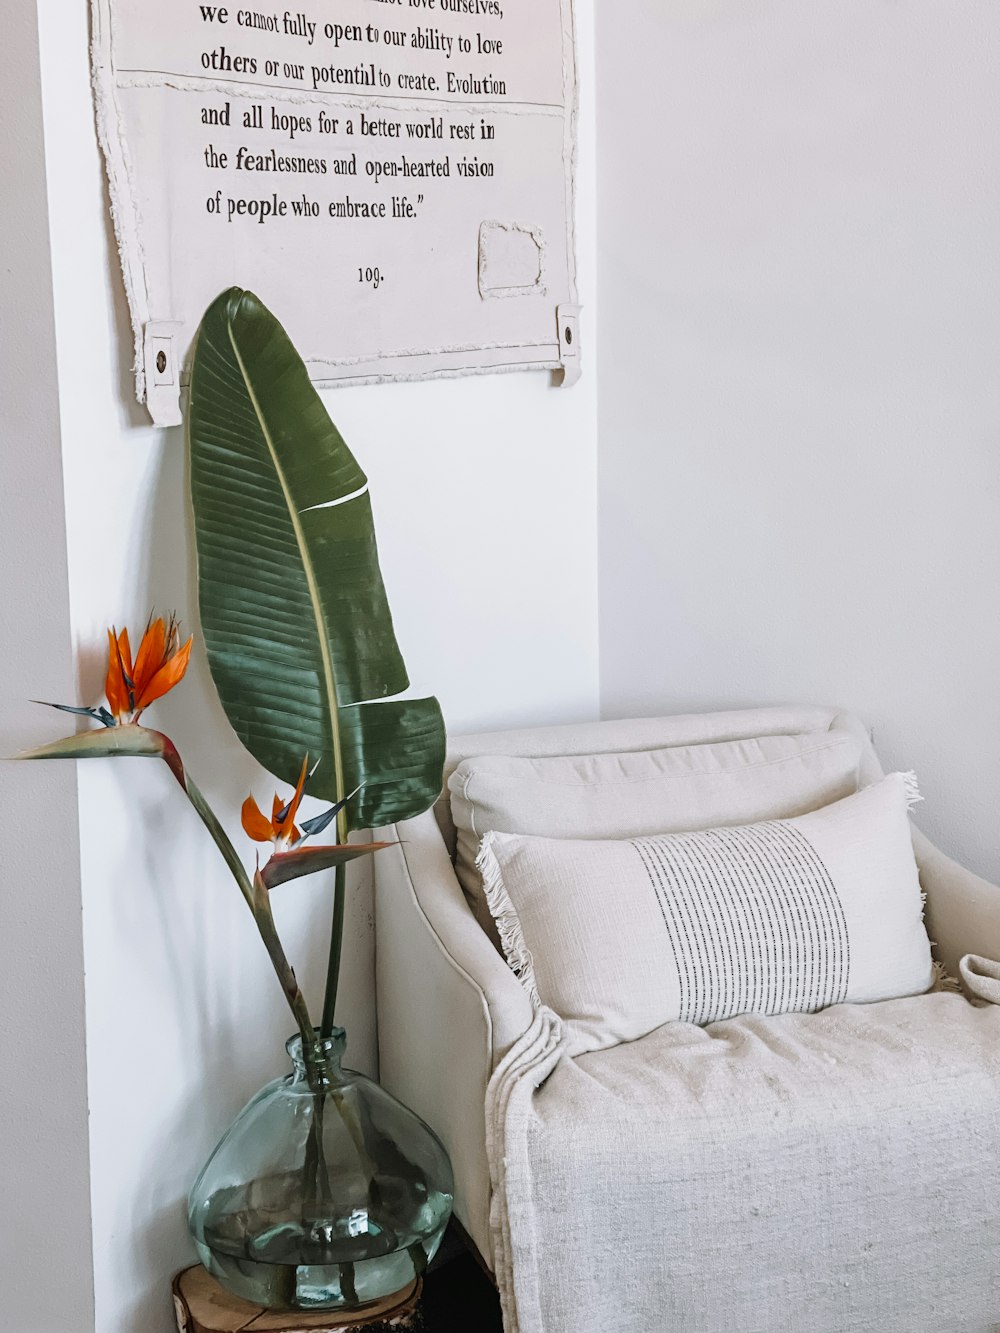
349,1285
339,905
133,741
221,838
336,951
286,975
257,897
316,1194
317,1197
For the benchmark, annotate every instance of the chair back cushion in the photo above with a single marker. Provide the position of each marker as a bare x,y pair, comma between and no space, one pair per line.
621,788
781,916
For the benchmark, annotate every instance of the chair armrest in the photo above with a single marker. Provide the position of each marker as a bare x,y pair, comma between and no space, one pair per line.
963,911
449,1008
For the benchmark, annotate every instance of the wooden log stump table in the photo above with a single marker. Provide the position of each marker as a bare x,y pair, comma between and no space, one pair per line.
203,1306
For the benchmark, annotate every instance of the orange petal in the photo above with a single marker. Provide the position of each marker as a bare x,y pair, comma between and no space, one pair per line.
125,653
300,787
169,675
151,655
284,823
114,682
255,824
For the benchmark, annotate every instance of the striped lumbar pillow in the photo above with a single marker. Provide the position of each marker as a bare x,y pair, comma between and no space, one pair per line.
778,917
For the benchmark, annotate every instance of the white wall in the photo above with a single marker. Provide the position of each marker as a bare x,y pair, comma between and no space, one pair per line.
800,418
44,1182
485,498
800,399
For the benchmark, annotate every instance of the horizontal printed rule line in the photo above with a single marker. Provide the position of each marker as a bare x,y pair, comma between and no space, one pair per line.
439,351
490,105
449,372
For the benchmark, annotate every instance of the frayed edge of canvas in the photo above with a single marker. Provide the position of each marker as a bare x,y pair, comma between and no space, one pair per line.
121,184
508,922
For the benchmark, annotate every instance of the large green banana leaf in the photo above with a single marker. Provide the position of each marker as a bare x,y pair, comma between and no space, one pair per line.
293,608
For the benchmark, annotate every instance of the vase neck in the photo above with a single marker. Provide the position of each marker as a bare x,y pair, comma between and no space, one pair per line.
318,1064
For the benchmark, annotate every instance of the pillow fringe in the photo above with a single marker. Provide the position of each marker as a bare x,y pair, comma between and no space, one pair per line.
911,790
508,923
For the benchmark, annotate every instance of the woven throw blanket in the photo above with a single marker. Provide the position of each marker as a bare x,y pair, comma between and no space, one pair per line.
825,1173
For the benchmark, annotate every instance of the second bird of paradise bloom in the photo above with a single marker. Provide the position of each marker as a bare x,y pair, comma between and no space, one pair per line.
281,830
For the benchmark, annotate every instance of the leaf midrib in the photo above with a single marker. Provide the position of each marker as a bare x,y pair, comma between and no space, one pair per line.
324,646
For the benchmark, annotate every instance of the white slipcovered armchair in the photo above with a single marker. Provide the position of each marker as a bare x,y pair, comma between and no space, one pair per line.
872,1205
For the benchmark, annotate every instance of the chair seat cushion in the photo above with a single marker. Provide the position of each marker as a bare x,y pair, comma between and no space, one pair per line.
829,1172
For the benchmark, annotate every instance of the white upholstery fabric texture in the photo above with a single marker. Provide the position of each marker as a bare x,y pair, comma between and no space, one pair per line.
825,1173
646,1188
784,916
638,792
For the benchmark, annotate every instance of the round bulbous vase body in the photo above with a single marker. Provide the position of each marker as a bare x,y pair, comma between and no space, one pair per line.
326,1193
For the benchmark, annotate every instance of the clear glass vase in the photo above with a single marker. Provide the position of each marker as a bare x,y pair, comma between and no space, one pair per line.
326,1193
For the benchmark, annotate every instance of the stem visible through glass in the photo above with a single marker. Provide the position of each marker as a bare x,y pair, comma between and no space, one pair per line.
337,927
336,950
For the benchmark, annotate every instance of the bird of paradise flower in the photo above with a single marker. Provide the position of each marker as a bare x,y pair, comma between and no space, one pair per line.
131,686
